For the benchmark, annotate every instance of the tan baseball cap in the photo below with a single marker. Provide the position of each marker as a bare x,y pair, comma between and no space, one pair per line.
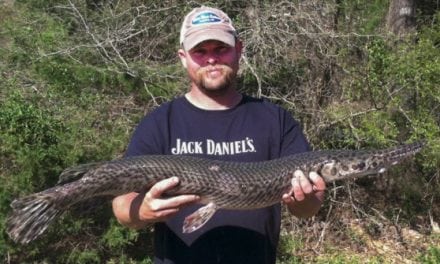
206,23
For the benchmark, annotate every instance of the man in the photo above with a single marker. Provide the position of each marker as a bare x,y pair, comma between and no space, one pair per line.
213,120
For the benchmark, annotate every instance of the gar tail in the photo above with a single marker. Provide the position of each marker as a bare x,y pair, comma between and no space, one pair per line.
32,214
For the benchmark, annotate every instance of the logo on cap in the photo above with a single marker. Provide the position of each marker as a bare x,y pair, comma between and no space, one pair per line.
206,18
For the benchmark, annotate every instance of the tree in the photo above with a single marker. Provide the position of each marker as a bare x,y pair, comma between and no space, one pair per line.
401,16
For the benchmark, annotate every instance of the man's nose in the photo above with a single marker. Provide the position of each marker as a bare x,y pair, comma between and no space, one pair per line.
212,58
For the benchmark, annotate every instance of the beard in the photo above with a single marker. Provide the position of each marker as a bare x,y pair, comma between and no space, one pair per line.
218,85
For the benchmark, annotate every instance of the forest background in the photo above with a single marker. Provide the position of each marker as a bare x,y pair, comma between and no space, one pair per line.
77,76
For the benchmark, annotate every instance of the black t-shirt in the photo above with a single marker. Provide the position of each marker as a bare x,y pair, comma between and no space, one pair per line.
254,130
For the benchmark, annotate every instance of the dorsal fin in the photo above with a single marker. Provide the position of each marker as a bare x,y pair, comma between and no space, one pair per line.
76,172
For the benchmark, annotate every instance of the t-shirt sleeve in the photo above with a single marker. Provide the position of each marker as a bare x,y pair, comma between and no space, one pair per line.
293,140
147,138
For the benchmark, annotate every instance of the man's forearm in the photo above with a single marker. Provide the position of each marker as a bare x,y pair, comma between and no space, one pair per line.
125,208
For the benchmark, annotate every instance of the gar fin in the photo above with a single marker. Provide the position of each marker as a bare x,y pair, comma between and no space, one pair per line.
197,219
31,216
76,172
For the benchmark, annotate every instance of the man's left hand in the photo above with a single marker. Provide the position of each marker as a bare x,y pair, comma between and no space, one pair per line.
306,195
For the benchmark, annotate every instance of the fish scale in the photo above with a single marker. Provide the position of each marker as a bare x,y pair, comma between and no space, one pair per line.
220,184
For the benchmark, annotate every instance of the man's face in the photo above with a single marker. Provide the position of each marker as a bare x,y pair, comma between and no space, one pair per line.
212,65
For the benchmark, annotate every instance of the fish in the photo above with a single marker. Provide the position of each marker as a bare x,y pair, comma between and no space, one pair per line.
220,184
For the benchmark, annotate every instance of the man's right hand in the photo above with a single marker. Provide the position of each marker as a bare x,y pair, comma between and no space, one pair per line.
136,210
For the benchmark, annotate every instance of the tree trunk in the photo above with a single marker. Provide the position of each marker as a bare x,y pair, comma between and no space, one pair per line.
401,16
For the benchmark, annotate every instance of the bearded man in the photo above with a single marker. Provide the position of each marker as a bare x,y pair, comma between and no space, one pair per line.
213,120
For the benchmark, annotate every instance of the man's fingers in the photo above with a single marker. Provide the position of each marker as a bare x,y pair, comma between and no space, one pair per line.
165,213
303,186
297,191
172,202
155,208
318,181
156,203
180,200
160,187
288,198
304,181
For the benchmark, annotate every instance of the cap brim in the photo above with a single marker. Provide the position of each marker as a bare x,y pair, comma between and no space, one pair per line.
223,35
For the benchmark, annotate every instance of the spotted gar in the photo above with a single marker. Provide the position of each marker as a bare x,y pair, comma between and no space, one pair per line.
220,184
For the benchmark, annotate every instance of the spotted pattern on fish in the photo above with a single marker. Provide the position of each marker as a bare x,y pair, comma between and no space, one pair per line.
220,184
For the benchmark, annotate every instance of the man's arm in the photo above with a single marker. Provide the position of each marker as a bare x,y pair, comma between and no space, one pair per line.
136,210
306,196
307,193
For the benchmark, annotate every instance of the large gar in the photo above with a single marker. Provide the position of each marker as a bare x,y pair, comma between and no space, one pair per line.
220,184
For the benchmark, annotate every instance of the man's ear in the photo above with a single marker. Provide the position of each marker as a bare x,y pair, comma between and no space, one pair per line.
182,56
239,47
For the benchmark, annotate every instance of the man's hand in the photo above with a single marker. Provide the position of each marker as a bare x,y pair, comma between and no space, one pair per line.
155,208
136,210
306,195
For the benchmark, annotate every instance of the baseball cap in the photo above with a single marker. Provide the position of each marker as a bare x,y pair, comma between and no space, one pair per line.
206,23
